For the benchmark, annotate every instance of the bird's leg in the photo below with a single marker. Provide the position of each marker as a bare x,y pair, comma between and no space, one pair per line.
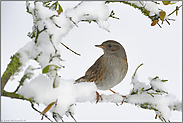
112,91
115,92
121,95
123,99
98,97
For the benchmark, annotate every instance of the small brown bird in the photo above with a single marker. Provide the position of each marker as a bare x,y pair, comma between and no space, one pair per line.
109,69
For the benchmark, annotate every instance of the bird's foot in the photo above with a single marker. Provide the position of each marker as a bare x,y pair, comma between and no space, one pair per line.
121,95
112,91
98,97
123,99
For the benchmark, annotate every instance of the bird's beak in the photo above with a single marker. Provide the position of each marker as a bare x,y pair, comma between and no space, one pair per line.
101,46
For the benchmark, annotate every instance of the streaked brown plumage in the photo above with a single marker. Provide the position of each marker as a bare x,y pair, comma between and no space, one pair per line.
110,68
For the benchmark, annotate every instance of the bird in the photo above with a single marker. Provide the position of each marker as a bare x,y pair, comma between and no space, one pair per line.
109,69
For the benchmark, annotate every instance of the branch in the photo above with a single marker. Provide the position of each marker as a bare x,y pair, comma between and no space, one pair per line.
75,93
12,68
142,9
177,8
70,49
21,82
136,70
17,96
38,33
32,105
55,115
141,95
146,12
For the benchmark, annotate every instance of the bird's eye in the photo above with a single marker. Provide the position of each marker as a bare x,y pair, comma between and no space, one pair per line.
110,46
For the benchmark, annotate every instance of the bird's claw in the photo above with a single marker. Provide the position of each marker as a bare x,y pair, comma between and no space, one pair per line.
98,97
123,99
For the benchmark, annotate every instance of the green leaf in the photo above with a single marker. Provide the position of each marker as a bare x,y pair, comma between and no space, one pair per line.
166,2
27,7
162,15
60,8
154,22
164,80
49,68
155,77
48,107
56,5
54,81
46,3
53,6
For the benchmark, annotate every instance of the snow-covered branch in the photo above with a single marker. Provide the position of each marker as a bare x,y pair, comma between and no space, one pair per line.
49,27
152,97
59,96
151,10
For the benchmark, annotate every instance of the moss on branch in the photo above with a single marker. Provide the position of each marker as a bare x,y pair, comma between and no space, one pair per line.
16,96
13,67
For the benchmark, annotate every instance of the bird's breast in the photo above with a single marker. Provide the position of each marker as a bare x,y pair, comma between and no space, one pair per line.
114,71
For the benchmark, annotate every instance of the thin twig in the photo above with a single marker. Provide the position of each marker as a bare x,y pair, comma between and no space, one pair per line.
148,89
155,2
57,56
32,105
137,69
175,10
54,115
78,5
25,76
52,43
72,116
70,49
38,32
55,118
159,25
70,18
112,15
163,119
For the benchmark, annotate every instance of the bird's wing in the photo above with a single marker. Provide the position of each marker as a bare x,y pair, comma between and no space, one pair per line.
95,68
93,72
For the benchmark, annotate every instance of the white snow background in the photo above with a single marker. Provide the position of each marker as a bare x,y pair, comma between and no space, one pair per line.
159,49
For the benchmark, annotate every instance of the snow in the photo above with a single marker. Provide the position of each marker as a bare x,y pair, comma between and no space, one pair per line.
115,98
85,92
157,84
41,87
42,91
57,26
150,6
25,53
93,11
44,12
66,92
29,71
140,4
148,95
159,102
137,85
